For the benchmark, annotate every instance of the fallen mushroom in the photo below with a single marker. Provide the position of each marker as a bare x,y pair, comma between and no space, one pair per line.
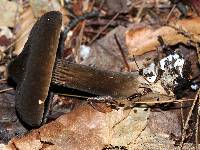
32,72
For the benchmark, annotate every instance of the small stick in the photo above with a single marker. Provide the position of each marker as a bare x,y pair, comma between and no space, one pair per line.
187,120
197,127
105,27
122,53
141,102
73,24
170,13
5,90
26,32
71,95
140,10
182,115
136,62
126,116
139,69
161,102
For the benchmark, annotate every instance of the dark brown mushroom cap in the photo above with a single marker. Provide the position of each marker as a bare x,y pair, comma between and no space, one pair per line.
33,74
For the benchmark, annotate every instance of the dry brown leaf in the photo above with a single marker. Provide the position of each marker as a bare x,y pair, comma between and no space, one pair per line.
40,7
22,30
9,124
165,122
9,11
105,53
144,39
115,6
153,141
25,24
87,128
6,36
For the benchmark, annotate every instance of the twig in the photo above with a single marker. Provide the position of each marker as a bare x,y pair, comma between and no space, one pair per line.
161,102
136,62
5,90
70,26
182,116
170,13
92,32
197,127
79,38
142,130
26,32
71,95
139,70
102,22
122,119
138,17
122,53
75,21
141,102
187,121
102,29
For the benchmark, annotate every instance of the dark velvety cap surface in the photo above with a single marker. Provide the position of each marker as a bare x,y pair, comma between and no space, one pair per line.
40,50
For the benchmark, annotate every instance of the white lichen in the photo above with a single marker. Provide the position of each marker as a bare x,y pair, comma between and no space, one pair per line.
150,72
167,71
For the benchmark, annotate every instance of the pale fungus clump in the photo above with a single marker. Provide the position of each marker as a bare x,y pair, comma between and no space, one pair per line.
169,72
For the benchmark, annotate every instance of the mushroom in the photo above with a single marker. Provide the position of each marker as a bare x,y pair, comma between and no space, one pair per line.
36,69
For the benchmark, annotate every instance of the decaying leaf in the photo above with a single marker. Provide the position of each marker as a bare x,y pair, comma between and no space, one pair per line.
28,18
40,7
9,124
87,128
6,37
22,30
9,11
105,53
143,39
115,6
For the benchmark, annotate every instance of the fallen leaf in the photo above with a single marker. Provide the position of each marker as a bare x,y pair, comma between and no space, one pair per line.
22,30
9,123
87,128
165,122
114,6
6,37
144,39
9,10
40,7
105,53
